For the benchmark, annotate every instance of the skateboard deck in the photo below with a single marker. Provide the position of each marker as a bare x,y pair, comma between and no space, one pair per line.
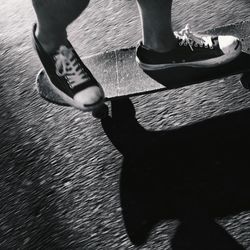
120,76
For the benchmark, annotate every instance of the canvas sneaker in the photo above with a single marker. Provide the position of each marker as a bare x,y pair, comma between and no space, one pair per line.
69,77
191,50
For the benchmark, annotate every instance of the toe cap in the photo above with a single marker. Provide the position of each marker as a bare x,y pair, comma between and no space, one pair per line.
89,97
229,44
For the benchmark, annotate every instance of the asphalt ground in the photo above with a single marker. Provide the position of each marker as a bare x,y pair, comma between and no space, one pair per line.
178,180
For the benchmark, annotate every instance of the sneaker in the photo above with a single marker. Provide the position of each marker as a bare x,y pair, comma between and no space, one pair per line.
191,50
70,78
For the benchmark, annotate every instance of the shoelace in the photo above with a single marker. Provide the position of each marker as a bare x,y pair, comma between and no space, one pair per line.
186,37
66,65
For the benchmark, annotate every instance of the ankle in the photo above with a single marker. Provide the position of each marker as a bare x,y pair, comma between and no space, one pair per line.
160,45
51,40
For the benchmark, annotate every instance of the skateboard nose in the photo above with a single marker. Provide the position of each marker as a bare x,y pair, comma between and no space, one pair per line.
229,44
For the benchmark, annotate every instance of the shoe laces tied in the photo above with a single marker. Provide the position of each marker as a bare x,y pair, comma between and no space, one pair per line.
66,65
186,37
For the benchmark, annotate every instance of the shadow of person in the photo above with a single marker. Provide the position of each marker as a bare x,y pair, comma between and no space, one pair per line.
194,174
202,233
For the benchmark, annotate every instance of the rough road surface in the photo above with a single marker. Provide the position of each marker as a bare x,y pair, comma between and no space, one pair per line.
64,185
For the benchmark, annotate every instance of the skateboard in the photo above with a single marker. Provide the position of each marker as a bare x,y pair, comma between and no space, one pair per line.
121,77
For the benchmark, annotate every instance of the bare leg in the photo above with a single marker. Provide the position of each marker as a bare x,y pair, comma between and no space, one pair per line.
53,18
156,23
161,48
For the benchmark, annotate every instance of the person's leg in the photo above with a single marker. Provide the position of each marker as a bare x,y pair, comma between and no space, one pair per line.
156,24
69,77
53,17
162,48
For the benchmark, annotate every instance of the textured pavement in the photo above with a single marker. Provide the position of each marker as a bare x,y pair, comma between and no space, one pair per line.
65,184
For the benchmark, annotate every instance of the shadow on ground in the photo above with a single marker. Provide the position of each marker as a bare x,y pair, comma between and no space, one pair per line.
194,174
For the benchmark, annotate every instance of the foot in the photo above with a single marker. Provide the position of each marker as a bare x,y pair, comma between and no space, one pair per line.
191,50
69,77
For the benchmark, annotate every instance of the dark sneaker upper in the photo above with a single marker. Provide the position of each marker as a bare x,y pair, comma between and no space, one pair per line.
191,50
70,78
